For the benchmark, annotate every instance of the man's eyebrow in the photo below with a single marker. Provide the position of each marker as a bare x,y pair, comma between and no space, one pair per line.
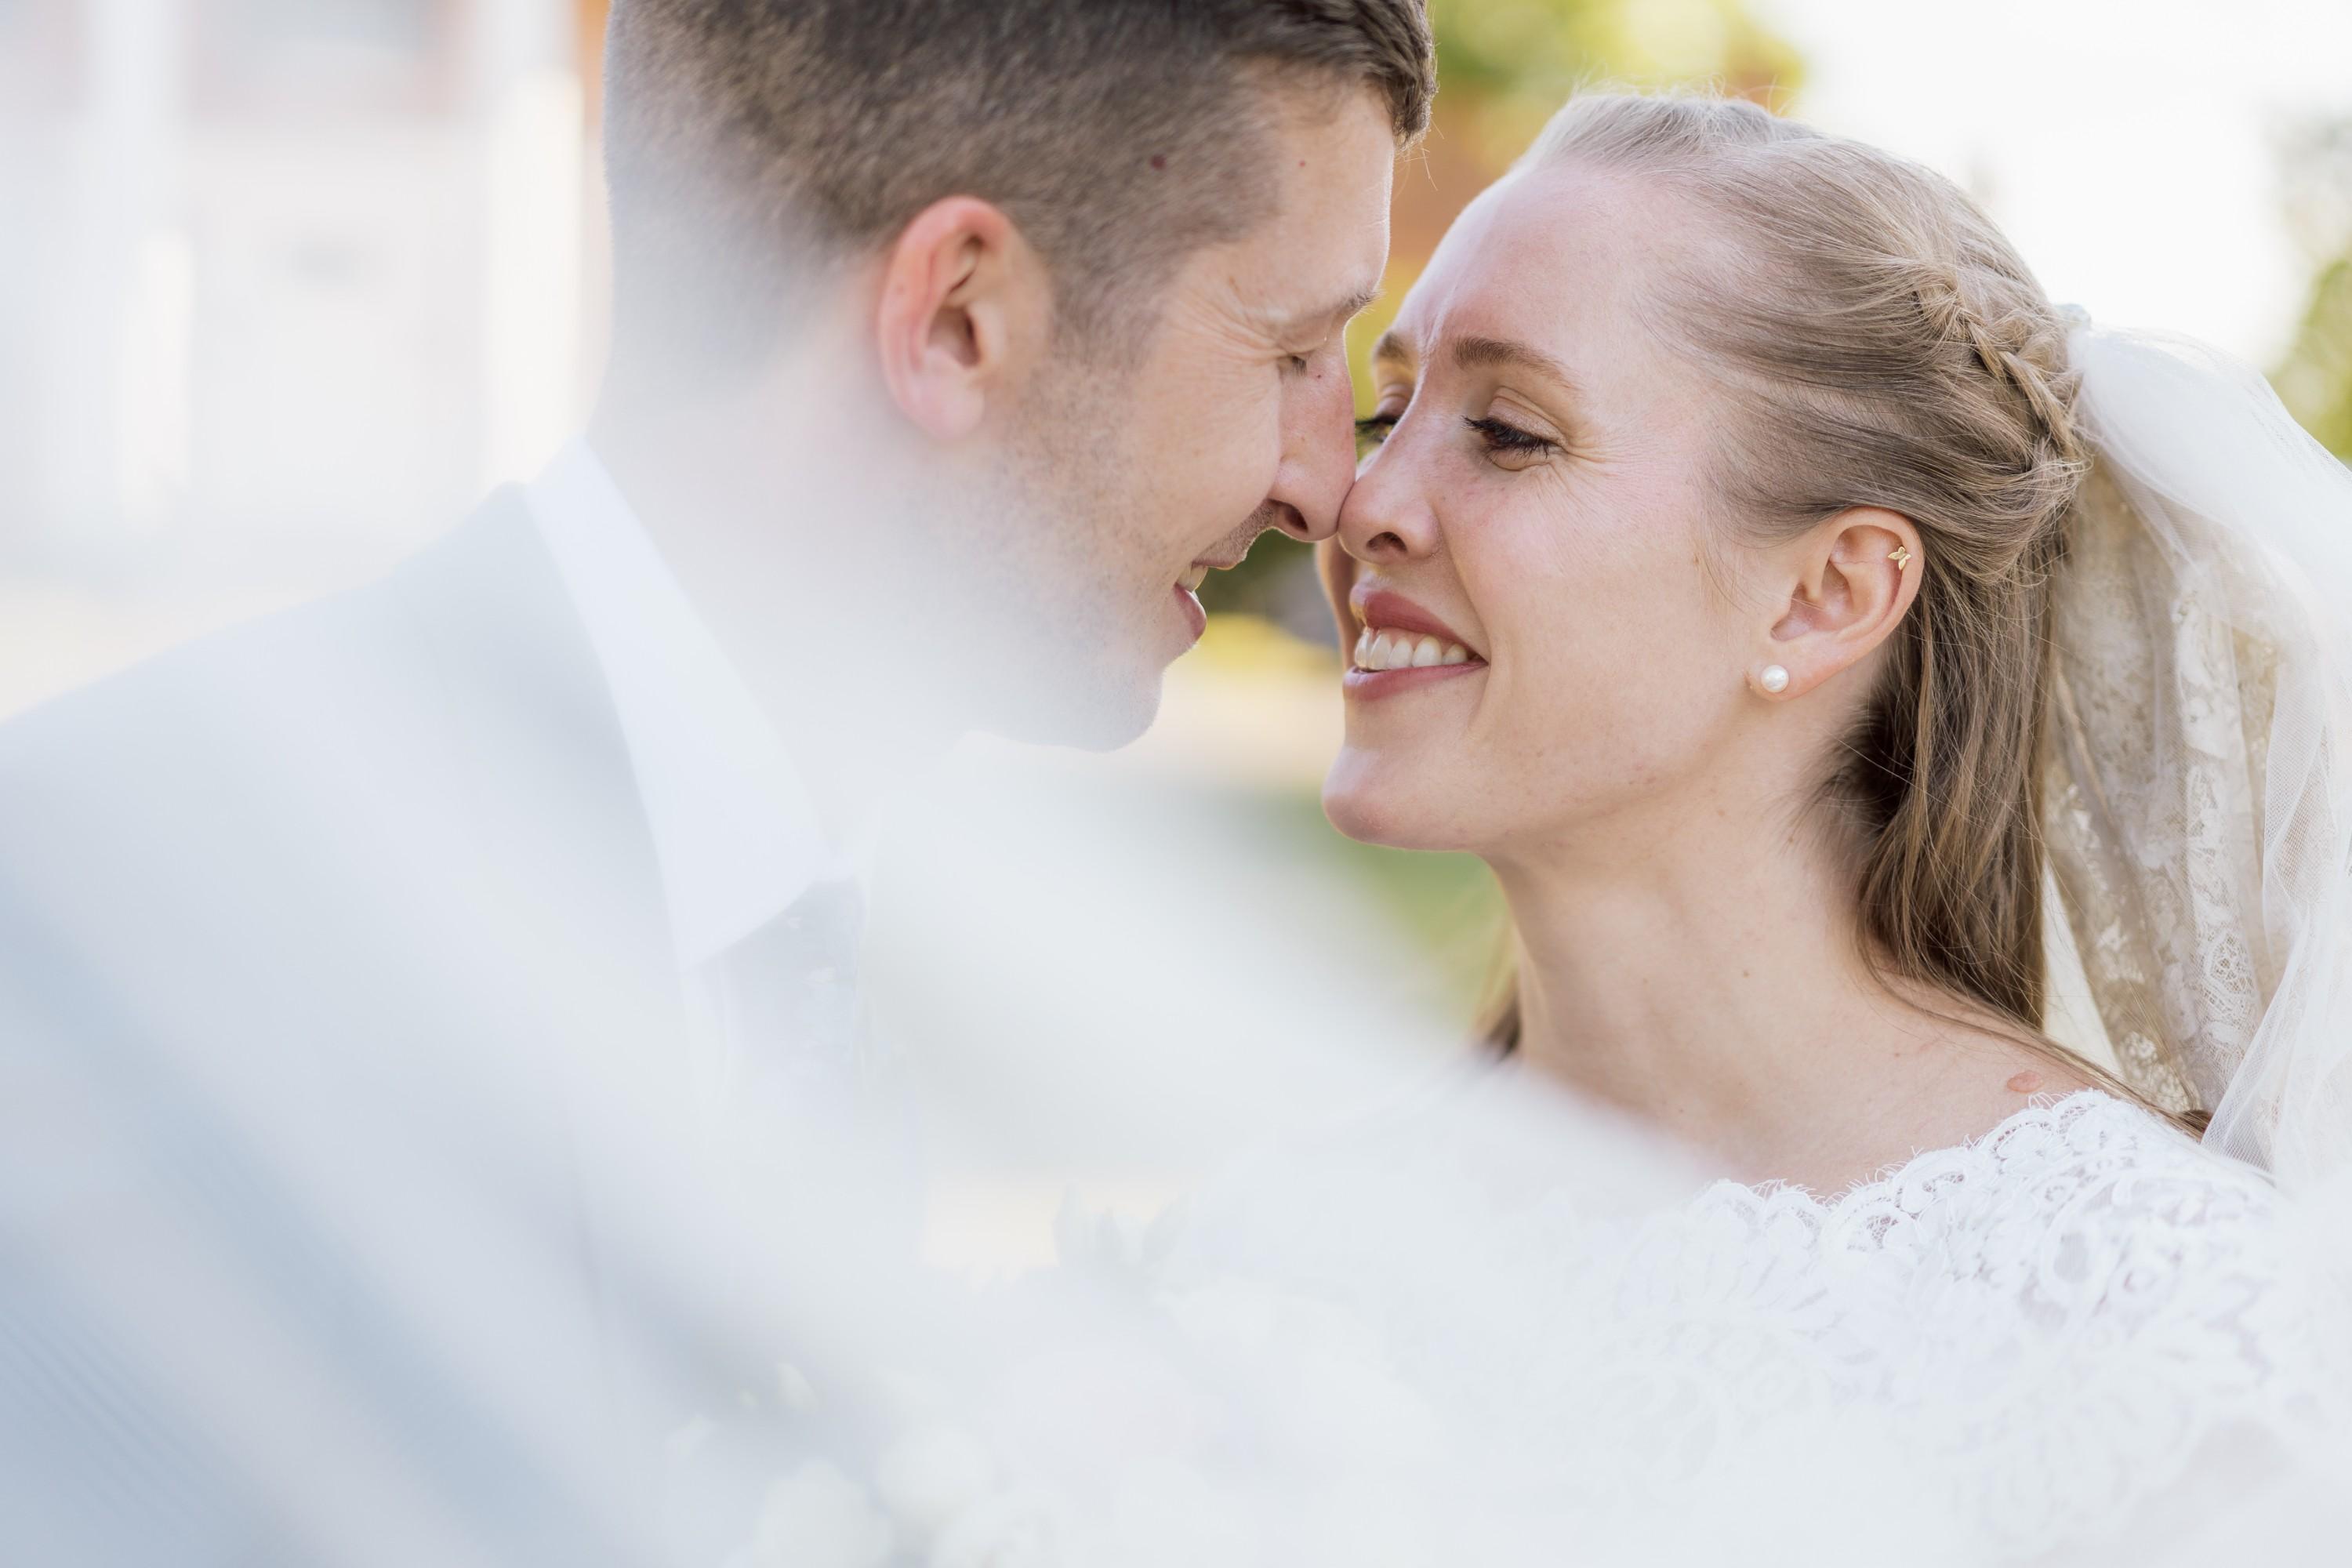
1287,324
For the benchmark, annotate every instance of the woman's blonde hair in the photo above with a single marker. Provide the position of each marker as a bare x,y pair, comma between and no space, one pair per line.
1883,345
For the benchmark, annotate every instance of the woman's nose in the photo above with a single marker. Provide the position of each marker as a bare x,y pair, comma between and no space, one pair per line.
1386,516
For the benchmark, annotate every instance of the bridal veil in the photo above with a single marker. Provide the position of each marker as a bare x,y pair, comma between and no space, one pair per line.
2198,782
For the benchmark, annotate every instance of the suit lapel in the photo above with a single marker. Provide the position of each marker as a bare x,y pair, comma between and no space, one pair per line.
545,786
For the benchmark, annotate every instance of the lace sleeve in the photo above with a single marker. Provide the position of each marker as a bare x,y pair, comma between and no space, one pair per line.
2163,1353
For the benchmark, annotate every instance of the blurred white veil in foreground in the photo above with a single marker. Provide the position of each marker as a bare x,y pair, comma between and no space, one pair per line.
474,1277
367,1328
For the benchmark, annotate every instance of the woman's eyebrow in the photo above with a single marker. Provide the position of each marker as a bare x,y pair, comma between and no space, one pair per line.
1487,353
1479,354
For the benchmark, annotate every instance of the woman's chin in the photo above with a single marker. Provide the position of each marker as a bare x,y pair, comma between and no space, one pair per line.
1371,809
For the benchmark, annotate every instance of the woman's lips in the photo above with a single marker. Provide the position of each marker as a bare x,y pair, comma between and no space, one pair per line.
1366,685
1386,660
1383,609
1402,647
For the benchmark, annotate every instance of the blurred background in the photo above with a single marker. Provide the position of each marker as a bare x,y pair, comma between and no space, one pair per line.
286,285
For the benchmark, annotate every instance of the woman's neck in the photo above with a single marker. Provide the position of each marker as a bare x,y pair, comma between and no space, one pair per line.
1712,983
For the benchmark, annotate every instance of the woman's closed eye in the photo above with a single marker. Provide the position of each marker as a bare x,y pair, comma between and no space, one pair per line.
1508,445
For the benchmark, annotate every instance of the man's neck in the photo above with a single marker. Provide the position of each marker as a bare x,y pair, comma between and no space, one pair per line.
765,539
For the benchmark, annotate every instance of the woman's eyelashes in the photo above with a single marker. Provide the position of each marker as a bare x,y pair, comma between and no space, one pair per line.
1510,441
1507,444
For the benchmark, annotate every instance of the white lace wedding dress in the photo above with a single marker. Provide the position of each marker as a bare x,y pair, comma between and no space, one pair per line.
2074,1337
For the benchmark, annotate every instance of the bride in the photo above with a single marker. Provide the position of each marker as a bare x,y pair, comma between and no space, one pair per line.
1752,566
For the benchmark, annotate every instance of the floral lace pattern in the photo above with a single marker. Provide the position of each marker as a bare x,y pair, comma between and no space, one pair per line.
2196,798
2043,1329
2156,795
2056,1316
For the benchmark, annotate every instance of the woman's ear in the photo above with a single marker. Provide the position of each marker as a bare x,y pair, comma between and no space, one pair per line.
1855,577
1339,570
965,312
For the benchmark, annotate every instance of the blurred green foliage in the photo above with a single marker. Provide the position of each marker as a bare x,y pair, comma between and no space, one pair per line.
2315,376
1512,62
1446,906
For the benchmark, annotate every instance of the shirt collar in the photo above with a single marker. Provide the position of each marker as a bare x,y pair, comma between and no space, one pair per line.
734,828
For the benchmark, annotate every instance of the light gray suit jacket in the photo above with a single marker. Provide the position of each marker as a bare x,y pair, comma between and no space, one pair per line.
306,930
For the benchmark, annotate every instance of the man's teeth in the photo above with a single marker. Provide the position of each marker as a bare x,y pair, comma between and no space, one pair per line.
1402,650
1191,582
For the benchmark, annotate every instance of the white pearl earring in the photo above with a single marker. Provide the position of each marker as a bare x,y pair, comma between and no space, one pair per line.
1773,679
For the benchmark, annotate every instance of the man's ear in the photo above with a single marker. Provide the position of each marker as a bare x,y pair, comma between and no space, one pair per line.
965,310
1855,577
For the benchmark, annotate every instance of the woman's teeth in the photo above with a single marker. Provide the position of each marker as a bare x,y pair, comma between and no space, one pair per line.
1402,650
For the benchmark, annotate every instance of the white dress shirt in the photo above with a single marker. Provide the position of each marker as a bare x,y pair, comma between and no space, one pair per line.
734,828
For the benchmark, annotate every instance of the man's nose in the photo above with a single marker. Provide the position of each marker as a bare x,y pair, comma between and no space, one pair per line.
1318,450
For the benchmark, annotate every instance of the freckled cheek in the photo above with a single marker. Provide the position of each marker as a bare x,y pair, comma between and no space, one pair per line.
1554,597
1582,624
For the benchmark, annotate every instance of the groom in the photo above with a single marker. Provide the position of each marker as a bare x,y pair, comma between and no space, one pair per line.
952,344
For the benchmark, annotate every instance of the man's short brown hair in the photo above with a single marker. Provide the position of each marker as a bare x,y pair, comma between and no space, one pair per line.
745,138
